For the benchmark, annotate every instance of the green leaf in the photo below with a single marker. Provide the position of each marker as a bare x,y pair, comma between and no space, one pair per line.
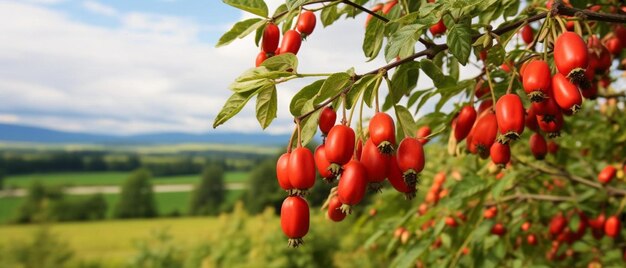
435,74
304,95
574,221
366,83
334,84
495,55
240,30
233,105
309,124
406,120
402,42
293,4
373,41
257,7
369,96
329,15
248,85
408,259
460,42
404,79
266,105
282,62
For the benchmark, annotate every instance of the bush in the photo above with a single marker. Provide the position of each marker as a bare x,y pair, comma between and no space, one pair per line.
36,206
79,209
208,196
136,199
45,250
158,251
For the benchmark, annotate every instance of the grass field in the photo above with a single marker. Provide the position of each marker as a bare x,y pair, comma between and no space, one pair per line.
166,203
107,178
112,242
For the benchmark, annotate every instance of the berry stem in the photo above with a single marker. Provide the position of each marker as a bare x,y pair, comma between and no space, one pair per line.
299,132
293,134
491,89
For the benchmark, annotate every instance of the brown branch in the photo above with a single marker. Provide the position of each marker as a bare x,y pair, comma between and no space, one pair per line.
305,4
357,6
561,9
520,196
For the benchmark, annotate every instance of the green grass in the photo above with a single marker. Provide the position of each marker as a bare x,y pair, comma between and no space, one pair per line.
107,178
166,203
112,242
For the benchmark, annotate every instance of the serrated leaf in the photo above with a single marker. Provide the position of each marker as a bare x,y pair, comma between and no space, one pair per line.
435,74
240,30
373,41
402,42
266,105
329,15
406,120
404,79
304,95
233,105
257,7
332,86
366,82
309,124
282,62
460,42
293,4
495,55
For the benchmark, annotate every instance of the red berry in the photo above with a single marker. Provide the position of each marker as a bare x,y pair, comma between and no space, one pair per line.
301,169
294,219
306,23
500,153
282,172
570,54
536,80
438,29
327,119
352,184
271,36
410,157
334,210
527,34
260,58
612,226
322,164
510,116
607,174
566,94
291,42
383,132
464,122
422,133
538,146
375,163
340,144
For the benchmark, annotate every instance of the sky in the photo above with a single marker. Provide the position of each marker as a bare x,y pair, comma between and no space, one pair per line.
124,67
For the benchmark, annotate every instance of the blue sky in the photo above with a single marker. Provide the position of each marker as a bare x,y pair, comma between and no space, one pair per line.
137,66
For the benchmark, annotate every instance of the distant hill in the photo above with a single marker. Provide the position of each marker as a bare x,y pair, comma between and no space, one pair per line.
19,133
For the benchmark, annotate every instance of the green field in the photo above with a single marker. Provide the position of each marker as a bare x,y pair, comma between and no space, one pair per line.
167,203
107,178
112,241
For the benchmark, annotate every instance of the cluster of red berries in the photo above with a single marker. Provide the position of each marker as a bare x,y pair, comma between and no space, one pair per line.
292,39
357,165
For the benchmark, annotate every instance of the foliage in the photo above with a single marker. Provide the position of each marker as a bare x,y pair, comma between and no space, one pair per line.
208,196
158,251
446,226
46,250
136,198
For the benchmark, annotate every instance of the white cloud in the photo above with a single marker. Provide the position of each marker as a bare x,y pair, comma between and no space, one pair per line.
99,8
150,74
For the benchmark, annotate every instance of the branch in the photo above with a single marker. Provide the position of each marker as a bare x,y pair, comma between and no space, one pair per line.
561,9
519,196
305,4
357,6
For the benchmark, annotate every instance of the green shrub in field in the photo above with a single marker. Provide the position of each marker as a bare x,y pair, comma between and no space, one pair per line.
208,196
93,207
36,206
44,251
158,251
137,198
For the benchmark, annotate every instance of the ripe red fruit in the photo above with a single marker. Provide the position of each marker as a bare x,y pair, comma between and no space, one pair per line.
334,210
531,119
557,224
376,165
464,122
438,29
612,226
410,157
439,179
451,222
490,212
483,55
484,134
396,179
551,124
481,88
358,152
282,172
383,132
613,44
527,34
260,58
352,185
376,8
553,148
500,154
301,169
525,226
291,42
531,239
389,5
294,219
327,119
422,133
620,32
598,222
538,146
322,164
607,174
498,229
306,23
566,94
271,36
484,106
536,80
339,146
510,116
571,56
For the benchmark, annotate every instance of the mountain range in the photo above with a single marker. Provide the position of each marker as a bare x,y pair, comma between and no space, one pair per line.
21,133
